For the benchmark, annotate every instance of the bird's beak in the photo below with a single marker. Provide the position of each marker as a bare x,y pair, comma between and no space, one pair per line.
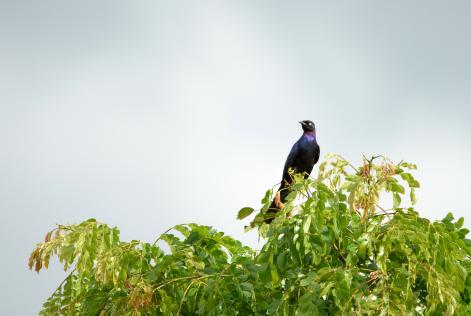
300,122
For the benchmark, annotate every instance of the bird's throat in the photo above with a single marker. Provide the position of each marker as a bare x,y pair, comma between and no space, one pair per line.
310,135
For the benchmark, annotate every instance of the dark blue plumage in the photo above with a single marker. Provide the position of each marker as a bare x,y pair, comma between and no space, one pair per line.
303,156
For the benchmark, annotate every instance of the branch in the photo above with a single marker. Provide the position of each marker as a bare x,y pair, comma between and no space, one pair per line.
194,277
161,235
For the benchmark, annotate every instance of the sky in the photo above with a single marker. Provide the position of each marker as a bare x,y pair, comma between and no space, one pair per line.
146,114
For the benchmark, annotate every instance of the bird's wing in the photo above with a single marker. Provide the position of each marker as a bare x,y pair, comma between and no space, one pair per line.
290,160
317,153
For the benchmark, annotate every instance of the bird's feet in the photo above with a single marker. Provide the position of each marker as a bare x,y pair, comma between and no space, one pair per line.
278,202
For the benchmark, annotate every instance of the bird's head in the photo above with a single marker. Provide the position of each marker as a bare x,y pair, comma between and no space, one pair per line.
308,126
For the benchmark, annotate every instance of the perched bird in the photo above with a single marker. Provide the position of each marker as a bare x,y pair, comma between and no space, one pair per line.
303,156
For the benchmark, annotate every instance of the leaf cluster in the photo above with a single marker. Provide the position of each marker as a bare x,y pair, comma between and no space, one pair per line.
331,250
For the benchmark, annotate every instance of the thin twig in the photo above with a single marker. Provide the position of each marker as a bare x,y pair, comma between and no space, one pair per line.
337,249
161,235
385,211
63,281
183,297
193,277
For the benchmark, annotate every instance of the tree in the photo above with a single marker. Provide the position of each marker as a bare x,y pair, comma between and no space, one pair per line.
332,250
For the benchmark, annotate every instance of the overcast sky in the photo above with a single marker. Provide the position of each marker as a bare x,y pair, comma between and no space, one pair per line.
145,114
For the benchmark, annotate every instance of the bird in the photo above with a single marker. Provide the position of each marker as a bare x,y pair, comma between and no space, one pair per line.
303,156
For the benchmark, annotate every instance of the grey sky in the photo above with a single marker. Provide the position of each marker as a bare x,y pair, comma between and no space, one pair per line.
147,114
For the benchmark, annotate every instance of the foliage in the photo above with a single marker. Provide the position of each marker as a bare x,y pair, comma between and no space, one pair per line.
332,250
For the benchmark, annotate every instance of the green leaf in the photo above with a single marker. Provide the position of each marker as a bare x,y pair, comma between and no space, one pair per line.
306,305
182,229
448,218
362,249
93,302
396,200
281,261
193,237
274,306
267,198
413,183
413,198
274,274
309,279
307,225
244,212
396,187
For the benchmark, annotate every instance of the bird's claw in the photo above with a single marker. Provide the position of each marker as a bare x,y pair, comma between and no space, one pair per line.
278,202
